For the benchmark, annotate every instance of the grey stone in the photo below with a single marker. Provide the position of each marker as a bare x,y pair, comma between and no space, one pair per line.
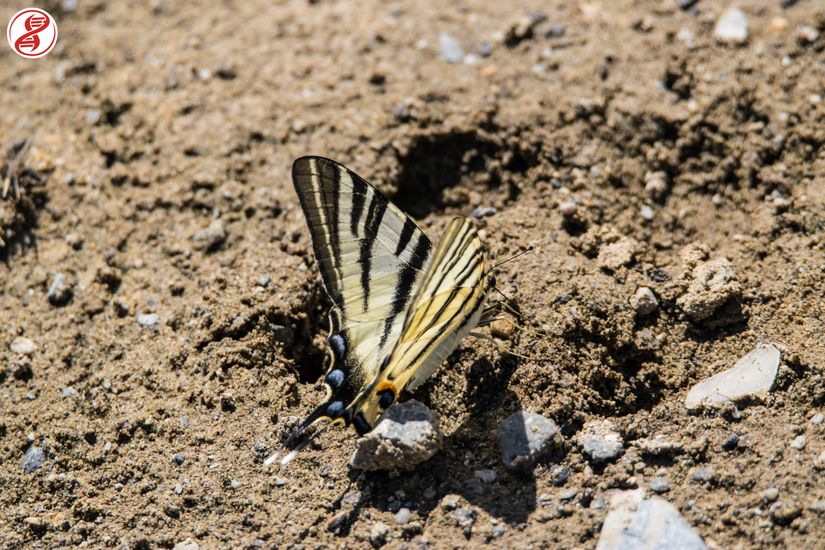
647,213
235,484
187,544
483,211
525,437
379,533
210,238
450,49
465,517
487,476
702,474
23,345
660,485
33,459
817,419
634,523
60,291
406,435
799,442
148,320
178,490
644,301
600,441
69,392
732,27
752,375
770,494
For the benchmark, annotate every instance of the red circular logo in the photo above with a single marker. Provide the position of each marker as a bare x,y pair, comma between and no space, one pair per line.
32,33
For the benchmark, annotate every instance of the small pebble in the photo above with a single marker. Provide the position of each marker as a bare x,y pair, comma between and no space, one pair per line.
465,517
178,458
60,292
33,459
210,238
644,301
660,485
483,211
730,442
799,442
264,281
235,484
568,209
819,463
93,116
817,419
187,544
770,494
568,495
600,441
450,49
402,516
148,320
69,392
732,27
525,437
407,434
450,502
702,474
559,474
23,346
178,490
379,533
656,184
487,476
647,213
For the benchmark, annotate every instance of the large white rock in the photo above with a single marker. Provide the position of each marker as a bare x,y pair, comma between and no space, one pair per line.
634,523
752,375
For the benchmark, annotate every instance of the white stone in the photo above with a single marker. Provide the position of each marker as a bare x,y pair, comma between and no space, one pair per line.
732,27
634,523
753,374
23,345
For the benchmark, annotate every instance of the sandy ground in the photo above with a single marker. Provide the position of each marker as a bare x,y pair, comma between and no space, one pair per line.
617,137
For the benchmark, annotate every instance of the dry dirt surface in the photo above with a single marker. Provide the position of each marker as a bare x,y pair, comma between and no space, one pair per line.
162,319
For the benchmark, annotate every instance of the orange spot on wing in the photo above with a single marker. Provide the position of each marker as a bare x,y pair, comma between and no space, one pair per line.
384,385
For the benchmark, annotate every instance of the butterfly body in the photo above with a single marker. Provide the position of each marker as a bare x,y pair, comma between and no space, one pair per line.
400,304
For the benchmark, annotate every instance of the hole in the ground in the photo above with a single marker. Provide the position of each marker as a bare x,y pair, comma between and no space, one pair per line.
436,162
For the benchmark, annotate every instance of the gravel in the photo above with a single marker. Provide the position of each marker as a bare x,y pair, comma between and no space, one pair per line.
69,392
752,375
644,301
799,442
634,523
402,516
33,459
406,435
525,437
148,320
449,48
210,238
732,27
378,534
23,346
660,485
487,476
703,475
60,291
600,441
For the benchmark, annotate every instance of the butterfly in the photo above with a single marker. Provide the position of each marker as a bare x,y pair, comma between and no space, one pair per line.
400,304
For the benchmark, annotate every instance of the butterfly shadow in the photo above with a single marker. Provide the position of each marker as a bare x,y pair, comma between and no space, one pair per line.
465,465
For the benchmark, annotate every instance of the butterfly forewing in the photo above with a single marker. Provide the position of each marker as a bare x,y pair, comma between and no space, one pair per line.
400,308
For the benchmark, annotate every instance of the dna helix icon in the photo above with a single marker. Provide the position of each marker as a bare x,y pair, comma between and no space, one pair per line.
35,24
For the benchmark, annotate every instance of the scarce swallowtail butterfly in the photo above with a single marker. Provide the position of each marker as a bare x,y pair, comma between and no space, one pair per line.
400,304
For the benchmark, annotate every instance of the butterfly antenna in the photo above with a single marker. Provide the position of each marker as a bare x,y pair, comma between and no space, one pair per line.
529,248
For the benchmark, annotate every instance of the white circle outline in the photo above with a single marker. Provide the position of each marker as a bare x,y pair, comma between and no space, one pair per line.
14,18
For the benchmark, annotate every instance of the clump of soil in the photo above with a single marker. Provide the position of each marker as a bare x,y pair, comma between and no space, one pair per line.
620,139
